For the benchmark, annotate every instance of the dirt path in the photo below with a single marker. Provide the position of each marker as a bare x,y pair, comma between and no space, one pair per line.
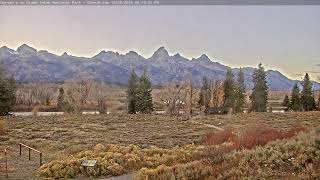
207,125
122,177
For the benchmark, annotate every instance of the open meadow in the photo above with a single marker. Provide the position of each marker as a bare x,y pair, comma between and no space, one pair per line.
58,137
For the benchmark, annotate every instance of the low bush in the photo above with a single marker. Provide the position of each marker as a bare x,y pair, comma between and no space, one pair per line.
259,135
192,170
113,160
294,158
219,137
251,136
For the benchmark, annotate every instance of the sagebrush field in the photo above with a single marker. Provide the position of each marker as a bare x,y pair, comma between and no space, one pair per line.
61,138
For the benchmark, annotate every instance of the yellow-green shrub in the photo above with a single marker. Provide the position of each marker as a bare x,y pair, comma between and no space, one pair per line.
192,170
113,160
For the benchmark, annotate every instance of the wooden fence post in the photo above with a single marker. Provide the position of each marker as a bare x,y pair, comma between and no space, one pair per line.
40,158
20,149
29,154
5,155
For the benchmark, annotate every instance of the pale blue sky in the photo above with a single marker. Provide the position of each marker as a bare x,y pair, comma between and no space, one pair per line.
285,38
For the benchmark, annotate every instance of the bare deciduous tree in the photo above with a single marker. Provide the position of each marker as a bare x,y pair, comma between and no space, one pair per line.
77,92
191,91
35,94
99,90
174,97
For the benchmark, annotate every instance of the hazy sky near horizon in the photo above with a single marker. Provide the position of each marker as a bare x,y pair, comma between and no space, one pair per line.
284,38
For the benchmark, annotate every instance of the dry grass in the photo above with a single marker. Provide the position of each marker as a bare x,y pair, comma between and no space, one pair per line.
60,136
2,127
70,134
274,120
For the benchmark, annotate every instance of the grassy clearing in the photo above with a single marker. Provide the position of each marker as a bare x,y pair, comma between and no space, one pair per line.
62,136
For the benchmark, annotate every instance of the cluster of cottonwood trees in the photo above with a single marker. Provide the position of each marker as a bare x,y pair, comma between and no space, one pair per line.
301,100
176,95
73,95
35,94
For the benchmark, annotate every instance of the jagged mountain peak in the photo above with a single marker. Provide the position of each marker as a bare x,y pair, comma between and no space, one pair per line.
65,54
4,48
132,53
106,55
26,49
160,53
202,58
177,55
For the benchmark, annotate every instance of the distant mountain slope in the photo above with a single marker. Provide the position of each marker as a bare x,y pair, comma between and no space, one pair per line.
27,64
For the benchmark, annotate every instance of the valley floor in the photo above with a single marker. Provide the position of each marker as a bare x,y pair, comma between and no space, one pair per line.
60,136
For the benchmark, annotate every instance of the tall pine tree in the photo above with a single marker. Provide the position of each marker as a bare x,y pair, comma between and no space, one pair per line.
229,89
144,99
7,92
205,93
240,97
295,102
307,99
132,92
259,96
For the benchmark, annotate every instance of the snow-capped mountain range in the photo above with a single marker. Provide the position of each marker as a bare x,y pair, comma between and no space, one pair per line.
27,64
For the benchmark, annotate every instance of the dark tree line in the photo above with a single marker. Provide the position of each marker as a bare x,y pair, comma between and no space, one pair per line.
7,92
301,100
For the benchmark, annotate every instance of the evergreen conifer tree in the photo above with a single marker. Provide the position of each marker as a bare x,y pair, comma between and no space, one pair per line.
259,96
144,99
7,92
132,92
240,96
307,99
229,89
319,102
295,102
